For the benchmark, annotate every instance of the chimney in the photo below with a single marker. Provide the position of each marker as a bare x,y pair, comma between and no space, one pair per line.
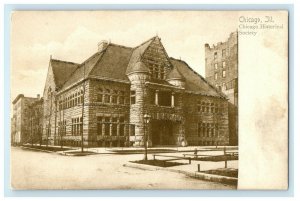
102,45
38,96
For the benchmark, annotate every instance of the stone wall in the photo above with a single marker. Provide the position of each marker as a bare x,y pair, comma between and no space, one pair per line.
206,120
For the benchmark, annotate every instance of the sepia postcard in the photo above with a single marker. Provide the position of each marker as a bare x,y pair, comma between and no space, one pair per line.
149,100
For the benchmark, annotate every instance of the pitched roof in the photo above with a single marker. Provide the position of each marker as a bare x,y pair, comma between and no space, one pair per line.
194,81
116,61
175,74
113,63
83,69
137,54
62,71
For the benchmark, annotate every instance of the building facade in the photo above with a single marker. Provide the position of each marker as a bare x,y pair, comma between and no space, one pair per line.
221,70
21,120
36,121
103,100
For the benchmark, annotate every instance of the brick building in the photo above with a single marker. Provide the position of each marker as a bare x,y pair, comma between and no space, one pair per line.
36,121
221,70
20,121
106,97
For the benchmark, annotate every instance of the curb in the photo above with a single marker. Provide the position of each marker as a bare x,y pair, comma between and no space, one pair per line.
196,175
36,149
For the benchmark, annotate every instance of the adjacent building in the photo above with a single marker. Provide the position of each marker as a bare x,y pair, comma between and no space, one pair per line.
221,70
36,121
103,100
21,120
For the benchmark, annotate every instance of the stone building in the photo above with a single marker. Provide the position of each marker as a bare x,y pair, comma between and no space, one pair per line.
36,121
102,101
221,70
20,132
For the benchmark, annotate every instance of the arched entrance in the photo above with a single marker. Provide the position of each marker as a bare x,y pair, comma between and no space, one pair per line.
162,133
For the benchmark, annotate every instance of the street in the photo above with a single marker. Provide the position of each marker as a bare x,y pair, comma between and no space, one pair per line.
41,170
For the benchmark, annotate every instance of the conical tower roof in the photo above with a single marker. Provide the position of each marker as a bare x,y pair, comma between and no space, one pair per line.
139,66
174,75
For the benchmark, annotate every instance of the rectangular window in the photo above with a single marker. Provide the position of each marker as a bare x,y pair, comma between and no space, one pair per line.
198,106
216,76
100,95
132,97
122,127
224,73
164,98
65,127
121,98
199,129
100,98
215,55
114,97
107,125
107,96
223,64
80,126
202,107
132,130
99,125
216,66
76,126
223,52
114,126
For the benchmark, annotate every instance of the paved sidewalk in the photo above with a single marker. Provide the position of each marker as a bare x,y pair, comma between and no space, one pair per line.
190,171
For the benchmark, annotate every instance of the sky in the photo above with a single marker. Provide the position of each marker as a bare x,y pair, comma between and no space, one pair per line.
74,35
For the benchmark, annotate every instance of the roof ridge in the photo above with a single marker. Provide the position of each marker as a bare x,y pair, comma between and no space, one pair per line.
99,59
145,42
81,65
64,61
122,46
219,92
175,70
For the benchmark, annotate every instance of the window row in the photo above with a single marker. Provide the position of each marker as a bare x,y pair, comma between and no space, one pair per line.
206,143
208,130
164,98
114,126
226,86
157,72
223,65
223,74
223,54
76,126
62,128
210,107
71,101
111,96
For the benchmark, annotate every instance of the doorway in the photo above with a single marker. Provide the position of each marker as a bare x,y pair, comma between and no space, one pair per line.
162,132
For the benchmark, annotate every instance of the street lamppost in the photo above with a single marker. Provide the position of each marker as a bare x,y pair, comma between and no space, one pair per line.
146,121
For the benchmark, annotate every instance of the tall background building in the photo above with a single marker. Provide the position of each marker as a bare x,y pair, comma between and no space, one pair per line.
221,70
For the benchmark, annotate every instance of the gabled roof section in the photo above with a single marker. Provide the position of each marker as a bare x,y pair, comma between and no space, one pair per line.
83,69
113,63
62,71
194,81
137,54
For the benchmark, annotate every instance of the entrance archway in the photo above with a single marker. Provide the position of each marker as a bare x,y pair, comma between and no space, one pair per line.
162,133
